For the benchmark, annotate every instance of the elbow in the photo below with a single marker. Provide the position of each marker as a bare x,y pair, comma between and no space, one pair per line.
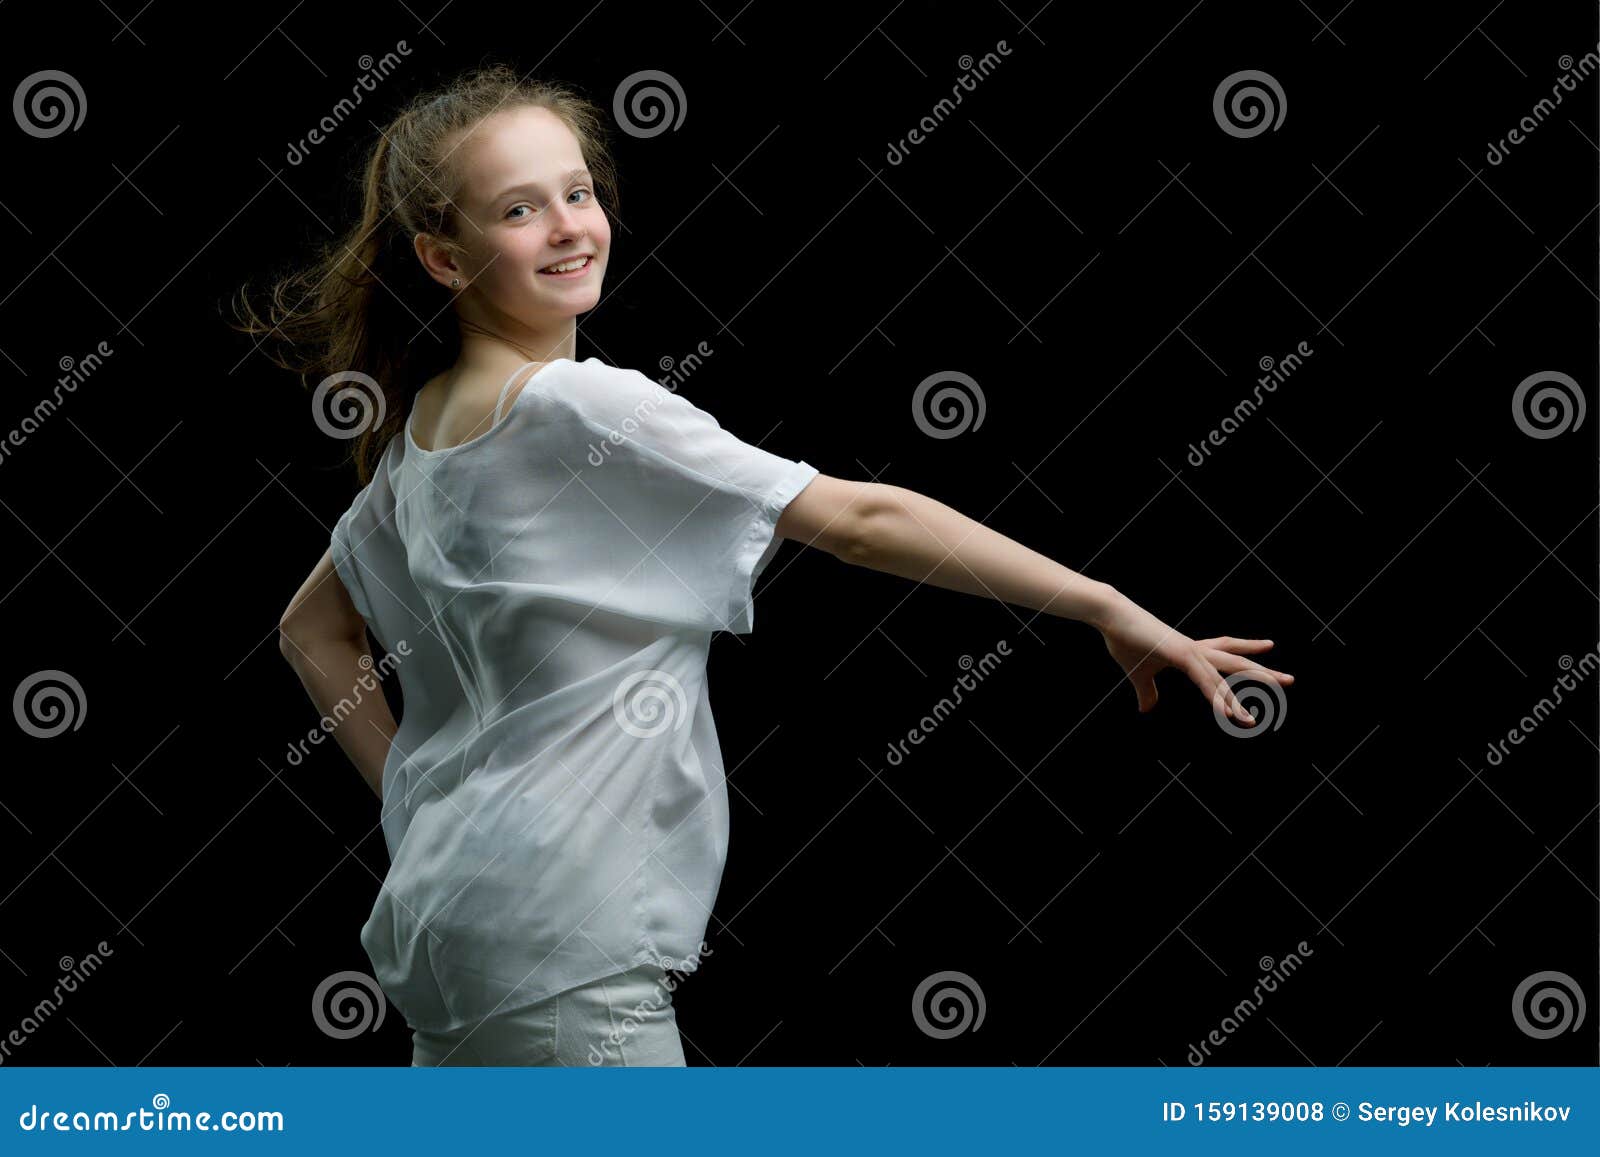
865,530
288,638
297,635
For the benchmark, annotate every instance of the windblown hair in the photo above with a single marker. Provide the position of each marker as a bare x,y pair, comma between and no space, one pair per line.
365,303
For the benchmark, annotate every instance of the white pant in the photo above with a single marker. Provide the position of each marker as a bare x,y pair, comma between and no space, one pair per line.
624,1019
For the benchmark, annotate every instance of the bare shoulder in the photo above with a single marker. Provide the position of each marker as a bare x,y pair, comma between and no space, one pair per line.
456,406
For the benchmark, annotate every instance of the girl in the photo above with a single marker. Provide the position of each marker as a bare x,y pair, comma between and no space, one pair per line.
548,543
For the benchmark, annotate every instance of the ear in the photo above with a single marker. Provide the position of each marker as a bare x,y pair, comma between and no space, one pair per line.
441,266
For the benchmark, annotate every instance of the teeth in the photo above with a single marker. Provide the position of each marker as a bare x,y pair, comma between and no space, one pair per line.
565,266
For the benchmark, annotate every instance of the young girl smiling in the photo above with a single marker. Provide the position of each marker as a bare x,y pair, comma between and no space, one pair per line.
553,801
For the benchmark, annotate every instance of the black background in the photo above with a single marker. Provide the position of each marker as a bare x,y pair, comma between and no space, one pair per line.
1083,239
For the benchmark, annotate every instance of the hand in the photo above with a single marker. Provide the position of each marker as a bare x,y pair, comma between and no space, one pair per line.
1143,645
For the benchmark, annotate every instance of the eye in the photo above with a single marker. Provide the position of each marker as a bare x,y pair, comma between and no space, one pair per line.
524,205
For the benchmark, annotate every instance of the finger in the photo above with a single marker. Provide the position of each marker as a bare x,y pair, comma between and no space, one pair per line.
1223,700
1145,686
1226,661
1237,646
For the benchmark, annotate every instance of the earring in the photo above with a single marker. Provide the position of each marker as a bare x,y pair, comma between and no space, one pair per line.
455,282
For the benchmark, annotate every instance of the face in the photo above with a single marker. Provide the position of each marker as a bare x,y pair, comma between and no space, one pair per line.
529,203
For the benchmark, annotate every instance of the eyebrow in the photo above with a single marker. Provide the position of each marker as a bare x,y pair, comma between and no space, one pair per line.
534,185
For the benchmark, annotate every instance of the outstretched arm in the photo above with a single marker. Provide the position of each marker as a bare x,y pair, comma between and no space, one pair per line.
898,531
324,638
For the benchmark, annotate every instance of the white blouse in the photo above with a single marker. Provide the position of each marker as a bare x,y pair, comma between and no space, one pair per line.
553,803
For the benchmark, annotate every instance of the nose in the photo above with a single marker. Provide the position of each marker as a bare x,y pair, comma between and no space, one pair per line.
563,219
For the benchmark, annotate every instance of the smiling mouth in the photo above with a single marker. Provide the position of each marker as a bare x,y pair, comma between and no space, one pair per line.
567,269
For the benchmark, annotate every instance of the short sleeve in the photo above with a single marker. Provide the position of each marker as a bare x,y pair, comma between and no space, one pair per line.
696,506
341,546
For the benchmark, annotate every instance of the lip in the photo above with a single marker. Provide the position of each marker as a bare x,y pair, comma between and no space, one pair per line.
572,273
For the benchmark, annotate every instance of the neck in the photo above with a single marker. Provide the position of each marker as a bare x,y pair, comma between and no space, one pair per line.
491,339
